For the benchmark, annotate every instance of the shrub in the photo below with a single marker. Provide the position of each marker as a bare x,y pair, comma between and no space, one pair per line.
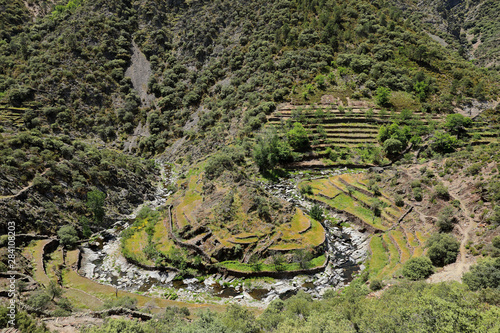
398,200
444,142
95,202
382,96
126,302
223,160
441,191
446,219
418,268
316,212
376,207
496,242
456,123
376,285
442,249
39,300
393,146
417,193
306,189
485,274
271,150
298,138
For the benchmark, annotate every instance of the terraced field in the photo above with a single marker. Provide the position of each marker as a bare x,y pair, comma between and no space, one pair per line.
225,224
393,243
11,116
392,249
334,123
484,133
347,193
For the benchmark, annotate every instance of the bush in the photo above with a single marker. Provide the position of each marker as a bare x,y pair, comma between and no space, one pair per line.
316,213
398,200
444,142
382,96
298,138
417,193
456,123
496,242
125,302
39,300
227,159
442,249
418,268
393,146
306,189
376,285
485,274
441,191
446,219
271,150
95,202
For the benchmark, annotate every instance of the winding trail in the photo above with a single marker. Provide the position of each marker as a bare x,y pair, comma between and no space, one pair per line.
24,189
454,272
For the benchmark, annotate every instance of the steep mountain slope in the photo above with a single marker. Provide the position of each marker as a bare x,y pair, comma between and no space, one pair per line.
468,26
217,70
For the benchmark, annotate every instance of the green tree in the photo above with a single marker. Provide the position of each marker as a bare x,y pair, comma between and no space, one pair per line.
298,138
53,290
271,150
444,142
393,146
421,90
418,268
303,257
95,202
442,249
457,123
382,96
239,319
68,235
446,219
278,261
496,242
39,300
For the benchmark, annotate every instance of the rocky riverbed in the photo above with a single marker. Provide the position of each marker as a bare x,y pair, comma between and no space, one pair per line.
347,249
105,264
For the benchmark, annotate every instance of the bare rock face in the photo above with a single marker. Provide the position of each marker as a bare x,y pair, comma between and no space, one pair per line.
140,72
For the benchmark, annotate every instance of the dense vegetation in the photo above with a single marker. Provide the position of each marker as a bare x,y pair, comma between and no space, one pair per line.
408,307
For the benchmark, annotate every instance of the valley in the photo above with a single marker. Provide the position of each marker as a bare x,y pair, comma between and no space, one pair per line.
249,166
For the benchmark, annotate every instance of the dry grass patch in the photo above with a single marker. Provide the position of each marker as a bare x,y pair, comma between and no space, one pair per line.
316,235
379,256
393,257
403,246
300,222
134,247
322,186
160,237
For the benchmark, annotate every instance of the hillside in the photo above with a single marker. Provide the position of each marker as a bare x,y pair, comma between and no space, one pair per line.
469,27
215,152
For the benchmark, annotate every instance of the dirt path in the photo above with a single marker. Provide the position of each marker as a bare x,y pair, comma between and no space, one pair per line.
24,189
454,272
